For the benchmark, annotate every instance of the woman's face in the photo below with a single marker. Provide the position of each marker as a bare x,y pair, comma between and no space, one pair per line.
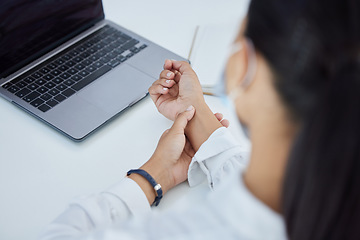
249,83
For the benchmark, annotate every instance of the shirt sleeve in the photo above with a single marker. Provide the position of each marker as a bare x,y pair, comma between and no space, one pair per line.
219,156
85,214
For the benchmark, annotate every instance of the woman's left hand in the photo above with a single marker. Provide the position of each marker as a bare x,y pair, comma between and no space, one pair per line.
170,162
171,159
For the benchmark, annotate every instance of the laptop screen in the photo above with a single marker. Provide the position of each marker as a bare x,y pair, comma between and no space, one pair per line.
28,29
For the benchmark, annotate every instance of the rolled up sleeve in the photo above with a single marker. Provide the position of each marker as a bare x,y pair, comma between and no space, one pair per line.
218,157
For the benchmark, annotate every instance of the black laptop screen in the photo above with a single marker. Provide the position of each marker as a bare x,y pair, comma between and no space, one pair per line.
29,28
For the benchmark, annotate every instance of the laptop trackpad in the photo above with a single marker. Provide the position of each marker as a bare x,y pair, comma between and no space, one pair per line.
117,89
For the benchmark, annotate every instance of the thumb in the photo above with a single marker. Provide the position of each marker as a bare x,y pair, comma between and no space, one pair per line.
182,120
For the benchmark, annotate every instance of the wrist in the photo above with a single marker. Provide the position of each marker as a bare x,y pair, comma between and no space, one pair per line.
159,173
203,124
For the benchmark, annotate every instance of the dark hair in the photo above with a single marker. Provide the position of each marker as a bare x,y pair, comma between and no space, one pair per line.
313,49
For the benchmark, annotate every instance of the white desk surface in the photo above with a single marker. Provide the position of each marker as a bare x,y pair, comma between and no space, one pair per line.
41,170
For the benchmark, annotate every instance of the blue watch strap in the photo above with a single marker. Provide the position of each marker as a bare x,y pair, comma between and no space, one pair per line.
151,180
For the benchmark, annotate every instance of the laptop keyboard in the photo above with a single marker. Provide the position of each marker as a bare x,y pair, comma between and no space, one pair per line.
71,70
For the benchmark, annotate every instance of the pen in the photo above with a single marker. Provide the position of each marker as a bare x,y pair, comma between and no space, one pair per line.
193,42
208,90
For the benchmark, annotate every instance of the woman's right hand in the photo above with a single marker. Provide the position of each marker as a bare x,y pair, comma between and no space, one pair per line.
177,88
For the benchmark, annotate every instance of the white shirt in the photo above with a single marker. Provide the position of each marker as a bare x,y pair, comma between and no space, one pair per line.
230,211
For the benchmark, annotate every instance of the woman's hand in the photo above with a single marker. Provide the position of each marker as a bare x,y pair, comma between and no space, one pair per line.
177,88
170,162
174,152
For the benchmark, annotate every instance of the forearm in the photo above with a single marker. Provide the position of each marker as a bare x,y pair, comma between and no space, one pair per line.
203,124
87,214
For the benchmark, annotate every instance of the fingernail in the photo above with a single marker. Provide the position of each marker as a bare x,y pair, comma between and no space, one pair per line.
190,108
165,89
168,81
169,74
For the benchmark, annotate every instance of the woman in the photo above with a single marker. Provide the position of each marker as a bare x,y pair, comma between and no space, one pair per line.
295,86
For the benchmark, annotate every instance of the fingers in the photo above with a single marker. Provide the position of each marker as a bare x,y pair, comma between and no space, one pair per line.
219,116
221,119
168,64
182,120
161,86
158,89
180,66
167,74
225,123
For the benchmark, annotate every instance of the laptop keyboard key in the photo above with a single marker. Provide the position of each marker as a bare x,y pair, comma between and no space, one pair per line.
129,55
94,58
13,89
54,92
48,77
50,85
68,92
84,55
37,75
66,57
135,50
100,54
59,61
52,66
65,75
121,58
33,86
72,71
63,68
82,48
56,72
23,92
7,85
29,79
93,76
44,108
61,87
70,63
78,59
42,90
123,35
46,97
37,102
59,97
40,81
45,70
84,73
114,63
58,80
52,103
98,64
74,53
90,69
80,66
129,44
21,84
32,96
76,78
69,82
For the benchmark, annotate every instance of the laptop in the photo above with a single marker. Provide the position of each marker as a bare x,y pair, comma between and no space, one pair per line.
64,63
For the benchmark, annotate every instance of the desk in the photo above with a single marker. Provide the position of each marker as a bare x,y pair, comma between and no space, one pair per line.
41,170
